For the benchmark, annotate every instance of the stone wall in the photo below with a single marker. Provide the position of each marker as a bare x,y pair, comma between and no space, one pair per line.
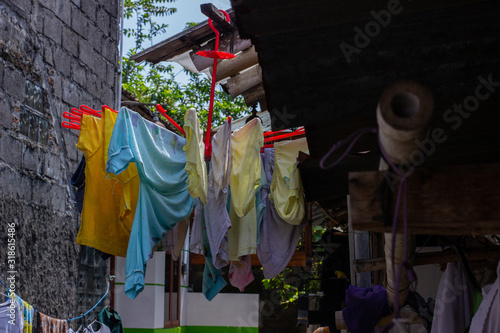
69,49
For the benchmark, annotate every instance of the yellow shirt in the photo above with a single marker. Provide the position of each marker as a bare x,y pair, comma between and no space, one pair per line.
129,177
195,159
245,166
286,186
105,220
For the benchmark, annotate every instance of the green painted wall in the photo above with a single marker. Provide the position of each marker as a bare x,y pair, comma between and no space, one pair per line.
195,329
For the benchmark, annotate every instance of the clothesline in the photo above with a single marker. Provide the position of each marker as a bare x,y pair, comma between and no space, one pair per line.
76,318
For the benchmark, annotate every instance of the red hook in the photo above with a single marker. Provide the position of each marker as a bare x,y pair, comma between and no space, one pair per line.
216,54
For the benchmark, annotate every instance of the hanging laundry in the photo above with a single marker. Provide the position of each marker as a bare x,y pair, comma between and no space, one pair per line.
163,197
52,325
11,318
242,236
195,241
129,177
240,273
216,214
173,241
453,305
111,319
245,166
78,181
286,186
277,239
195,161
102,328
213,282
105,222
487,319
28,314
179,233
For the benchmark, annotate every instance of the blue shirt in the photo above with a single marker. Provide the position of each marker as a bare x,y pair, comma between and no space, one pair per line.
163,197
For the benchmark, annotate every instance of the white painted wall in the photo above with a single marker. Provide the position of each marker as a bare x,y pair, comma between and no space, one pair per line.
236,310
147,309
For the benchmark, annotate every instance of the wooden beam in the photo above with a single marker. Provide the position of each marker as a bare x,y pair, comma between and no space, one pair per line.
255,95
182,42
218,18
429,258
298,259
458,200
246,80
231,67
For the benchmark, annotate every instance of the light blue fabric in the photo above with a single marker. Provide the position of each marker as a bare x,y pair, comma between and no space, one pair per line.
163,197
213,282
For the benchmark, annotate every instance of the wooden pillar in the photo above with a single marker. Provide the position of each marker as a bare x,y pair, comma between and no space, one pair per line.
403,115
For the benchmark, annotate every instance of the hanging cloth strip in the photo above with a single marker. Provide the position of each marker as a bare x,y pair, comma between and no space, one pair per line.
216,214
245,170
52,325
286,186
277,239
195,162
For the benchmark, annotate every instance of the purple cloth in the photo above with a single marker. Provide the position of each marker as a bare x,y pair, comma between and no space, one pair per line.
365,307
277,239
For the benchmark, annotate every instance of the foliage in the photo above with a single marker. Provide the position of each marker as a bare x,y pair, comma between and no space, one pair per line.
295,281
156,84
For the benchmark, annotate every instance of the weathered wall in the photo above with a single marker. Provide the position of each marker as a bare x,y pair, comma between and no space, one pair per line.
70,49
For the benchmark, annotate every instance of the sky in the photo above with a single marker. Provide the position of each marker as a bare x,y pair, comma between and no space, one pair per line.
187,11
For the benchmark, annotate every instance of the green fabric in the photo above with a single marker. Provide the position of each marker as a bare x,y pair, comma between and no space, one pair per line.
478,298
112,319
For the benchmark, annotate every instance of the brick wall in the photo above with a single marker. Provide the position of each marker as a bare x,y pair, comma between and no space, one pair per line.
70,50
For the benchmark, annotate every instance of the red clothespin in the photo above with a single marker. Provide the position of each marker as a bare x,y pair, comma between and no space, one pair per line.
215,54
104,107
71,116
71,125
160,109
90,111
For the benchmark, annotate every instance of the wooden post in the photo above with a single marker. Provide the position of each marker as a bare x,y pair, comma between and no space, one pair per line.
403,115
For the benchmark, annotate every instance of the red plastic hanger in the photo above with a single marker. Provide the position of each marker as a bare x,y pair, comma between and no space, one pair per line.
90,111
298,132
71,125
104,107
71,116
160,109
216,55
269,141
75,116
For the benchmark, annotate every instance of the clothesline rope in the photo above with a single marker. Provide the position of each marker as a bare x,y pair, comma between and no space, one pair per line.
70,319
